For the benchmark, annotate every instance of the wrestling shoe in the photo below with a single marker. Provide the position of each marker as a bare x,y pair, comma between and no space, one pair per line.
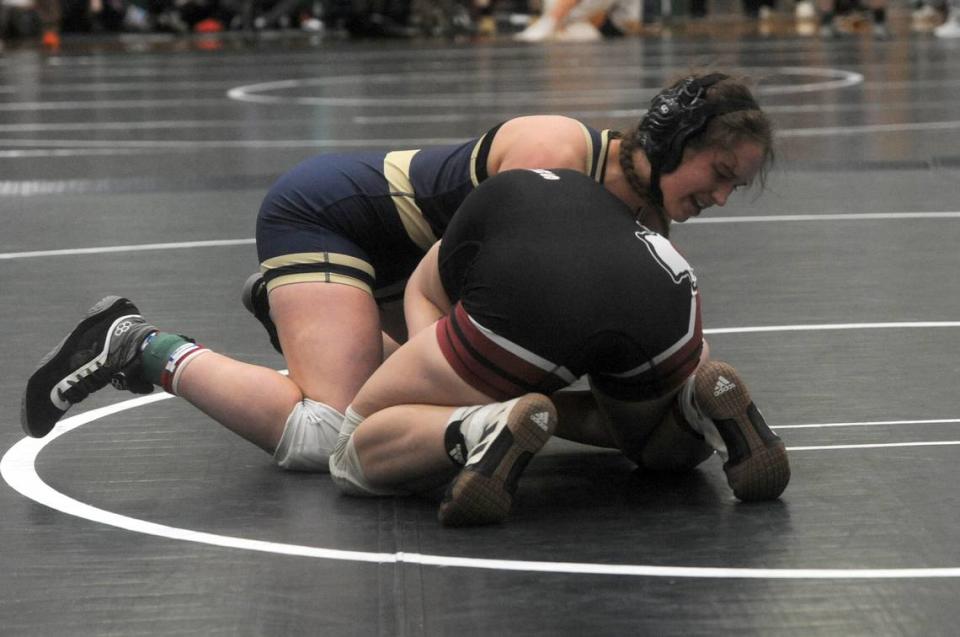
950,28
579,32
542,29
255,299
104,348
755,458
482,493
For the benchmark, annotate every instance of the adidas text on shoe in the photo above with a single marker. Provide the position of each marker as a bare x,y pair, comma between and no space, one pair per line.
482,493
103,348
756,467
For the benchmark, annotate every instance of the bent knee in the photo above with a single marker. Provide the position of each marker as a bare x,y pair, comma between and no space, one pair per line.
309,437
347,472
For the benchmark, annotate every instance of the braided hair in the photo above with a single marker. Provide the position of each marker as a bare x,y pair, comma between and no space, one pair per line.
651,204
697,111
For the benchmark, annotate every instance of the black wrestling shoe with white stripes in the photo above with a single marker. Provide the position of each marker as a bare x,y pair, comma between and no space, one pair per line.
104,348
482,493
255,299
756,465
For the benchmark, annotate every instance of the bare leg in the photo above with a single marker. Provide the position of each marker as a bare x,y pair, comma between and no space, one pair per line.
560,9
401,438
331,336
417,373
403,444
407,441
251,401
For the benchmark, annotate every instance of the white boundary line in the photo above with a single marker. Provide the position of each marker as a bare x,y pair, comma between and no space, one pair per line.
128,248
878,216
829,326
879,445
423,118
853,216
873,423
833,79
120,145
18,468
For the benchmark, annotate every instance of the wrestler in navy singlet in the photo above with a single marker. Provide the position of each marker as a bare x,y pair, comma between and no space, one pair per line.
551,278
365,219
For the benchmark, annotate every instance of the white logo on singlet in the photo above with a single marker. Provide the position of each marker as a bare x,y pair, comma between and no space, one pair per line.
546,174
667,256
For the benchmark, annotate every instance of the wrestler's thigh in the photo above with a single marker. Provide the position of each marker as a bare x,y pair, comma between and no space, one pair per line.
417,373
330,334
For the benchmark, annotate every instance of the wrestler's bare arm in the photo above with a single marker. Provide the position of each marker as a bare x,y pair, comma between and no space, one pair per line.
538,141
424,299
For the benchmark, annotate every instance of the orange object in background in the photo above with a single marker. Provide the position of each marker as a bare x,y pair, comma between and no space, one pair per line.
50,40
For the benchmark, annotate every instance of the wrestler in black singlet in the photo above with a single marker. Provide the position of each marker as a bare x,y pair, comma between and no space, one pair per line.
553,278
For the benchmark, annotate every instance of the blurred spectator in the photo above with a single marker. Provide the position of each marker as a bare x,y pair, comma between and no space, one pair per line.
582,20
950,28
18,19
49,13
926,14
829,9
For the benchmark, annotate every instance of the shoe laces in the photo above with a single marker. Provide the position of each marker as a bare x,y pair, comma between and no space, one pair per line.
86,384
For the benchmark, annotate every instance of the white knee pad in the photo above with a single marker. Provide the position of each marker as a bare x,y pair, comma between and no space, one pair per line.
345,466
309,437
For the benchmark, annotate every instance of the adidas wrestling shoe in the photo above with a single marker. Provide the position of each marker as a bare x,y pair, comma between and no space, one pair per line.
482,493
255,299
756,459
103,348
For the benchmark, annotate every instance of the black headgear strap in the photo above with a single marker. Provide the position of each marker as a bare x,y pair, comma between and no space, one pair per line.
675,115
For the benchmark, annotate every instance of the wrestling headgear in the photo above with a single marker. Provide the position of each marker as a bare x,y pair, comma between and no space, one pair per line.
675,115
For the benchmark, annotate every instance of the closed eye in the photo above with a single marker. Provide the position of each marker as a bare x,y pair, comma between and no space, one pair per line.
723,174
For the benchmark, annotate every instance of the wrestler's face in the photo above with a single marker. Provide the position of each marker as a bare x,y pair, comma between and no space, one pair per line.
707,177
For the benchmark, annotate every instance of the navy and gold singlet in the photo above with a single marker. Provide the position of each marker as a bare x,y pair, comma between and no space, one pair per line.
366,219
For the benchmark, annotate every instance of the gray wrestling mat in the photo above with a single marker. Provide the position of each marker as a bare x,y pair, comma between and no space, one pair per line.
136,167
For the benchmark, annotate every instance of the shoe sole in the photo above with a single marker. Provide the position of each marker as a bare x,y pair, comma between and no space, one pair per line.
40,408
757,468
482,493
